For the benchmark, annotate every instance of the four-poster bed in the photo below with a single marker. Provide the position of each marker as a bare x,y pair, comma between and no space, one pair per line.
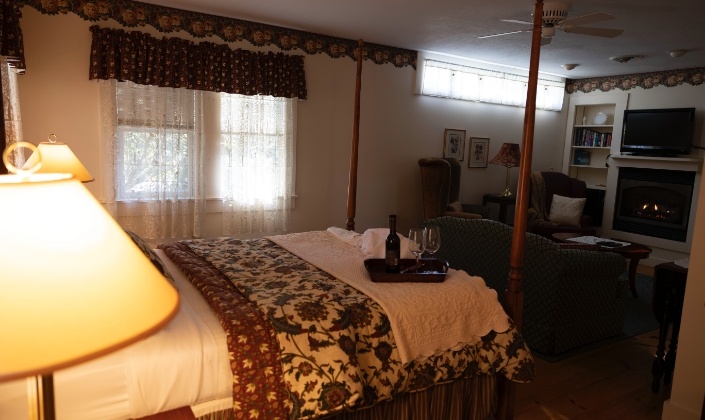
460,380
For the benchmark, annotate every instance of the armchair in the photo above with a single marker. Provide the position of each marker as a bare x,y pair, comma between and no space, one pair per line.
544,220
440,186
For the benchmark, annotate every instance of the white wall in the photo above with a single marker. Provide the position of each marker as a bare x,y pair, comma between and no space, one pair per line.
397,127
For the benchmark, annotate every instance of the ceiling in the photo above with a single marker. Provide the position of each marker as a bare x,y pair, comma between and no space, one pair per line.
652,28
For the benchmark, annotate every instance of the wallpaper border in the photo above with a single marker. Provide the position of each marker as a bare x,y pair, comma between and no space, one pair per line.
134,14
669,78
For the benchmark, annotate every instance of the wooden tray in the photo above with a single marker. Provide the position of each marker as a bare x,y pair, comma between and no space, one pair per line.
432,271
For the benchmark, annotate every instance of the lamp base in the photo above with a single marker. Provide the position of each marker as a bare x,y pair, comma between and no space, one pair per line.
506,192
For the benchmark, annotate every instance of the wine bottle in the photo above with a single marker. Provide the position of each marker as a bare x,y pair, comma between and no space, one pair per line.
392,247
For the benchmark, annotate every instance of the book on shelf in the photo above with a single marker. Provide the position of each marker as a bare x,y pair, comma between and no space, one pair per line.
581,157
591,138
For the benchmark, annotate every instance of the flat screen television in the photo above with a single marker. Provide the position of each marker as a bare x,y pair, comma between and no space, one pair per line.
659,132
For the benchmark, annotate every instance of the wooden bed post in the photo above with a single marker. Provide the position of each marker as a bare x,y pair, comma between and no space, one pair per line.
352,180
513,297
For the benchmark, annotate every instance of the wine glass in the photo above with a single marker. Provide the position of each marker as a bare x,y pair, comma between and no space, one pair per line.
417,242
433,240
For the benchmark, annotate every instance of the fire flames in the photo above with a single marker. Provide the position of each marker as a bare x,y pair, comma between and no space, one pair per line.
656,211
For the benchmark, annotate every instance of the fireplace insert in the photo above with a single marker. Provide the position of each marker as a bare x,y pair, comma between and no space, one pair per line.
654,202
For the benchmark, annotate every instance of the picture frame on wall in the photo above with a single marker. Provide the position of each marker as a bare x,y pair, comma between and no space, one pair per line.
454,144
477,154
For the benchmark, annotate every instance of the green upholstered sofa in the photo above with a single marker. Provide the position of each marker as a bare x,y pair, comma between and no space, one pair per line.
572,297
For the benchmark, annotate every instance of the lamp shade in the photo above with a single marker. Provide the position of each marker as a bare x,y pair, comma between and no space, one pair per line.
508,156
57,157
73,286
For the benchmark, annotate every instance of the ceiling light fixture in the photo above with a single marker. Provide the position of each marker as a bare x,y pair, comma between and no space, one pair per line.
677,53
569,66
626,58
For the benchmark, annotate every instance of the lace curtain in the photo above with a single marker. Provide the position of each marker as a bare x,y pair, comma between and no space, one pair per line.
11,106
153,159
257,162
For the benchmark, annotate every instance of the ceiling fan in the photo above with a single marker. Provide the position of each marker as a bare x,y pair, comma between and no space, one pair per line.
555,16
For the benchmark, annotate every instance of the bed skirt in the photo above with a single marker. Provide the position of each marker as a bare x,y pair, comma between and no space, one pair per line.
468,399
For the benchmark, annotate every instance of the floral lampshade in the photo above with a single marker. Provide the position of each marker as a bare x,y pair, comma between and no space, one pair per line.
508,156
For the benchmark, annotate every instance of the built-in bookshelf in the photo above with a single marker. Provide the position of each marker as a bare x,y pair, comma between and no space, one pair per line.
593,129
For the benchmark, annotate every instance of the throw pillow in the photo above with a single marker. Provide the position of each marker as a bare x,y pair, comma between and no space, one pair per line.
455,206
147,251
566,210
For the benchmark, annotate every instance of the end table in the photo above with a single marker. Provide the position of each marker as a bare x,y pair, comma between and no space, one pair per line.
504,203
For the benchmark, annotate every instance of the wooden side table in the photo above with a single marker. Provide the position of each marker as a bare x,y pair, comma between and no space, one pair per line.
667,305
504,203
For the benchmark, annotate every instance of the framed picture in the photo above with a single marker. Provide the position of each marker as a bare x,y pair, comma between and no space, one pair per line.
477,156
454,144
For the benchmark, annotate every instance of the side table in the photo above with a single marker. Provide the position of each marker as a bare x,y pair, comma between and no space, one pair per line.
633,252
667,305
504,203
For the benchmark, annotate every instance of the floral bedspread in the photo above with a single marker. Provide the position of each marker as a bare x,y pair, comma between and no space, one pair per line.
303,344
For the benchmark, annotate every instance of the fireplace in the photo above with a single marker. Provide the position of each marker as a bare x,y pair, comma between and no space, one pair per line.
654,202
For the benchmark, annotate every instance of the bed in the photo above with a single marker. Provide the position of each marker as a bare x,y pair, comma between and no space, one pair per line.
263,332
221,355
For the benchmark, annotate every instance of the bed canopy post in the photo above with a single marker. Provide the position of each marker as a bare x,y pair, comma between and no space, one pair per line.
514,297
352,179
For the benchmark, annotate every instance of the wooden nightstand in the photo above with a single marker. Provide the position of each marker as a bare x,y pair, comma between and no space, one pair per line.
503,202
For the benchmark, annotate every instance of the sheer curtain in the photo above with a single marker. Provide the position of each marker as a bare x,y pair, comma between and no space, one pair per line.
257,162
11,106
153,159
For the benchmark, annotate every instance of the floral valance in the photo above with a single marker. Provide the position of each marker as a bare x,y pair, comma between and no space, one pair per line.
670,78
179,63
133,14
11,45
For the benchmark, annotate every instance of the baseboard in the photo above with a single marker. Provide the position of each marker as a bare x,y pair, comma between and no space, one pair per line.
675,412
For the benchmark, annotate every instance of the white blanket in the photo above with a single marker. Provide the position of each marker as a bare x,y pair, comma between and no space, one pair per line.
426,318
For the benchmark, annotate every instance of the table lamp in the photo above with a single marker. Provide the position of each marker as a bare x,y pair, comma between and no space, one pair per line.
57,157
508,156
73,285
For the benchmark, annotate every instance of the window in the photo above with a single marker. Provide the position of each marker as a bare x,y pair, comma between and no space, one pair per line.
157,143
256,149
474,84
156,136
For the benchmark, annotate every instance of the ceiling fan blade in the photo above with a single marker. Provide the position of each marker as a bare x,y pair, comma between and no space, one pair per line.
545,41
586,19
523,22
584,30
503,33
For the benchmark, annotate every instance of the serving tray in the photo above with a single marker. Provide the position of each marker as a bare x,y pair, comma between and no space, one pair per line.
432,271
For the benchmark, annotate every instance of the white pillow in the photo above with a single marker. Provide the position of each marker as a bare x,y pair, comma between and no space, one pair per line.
566,210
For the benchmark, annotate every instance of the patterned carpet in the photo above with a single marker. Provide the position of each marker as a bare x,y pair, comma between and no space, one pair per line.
638,319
